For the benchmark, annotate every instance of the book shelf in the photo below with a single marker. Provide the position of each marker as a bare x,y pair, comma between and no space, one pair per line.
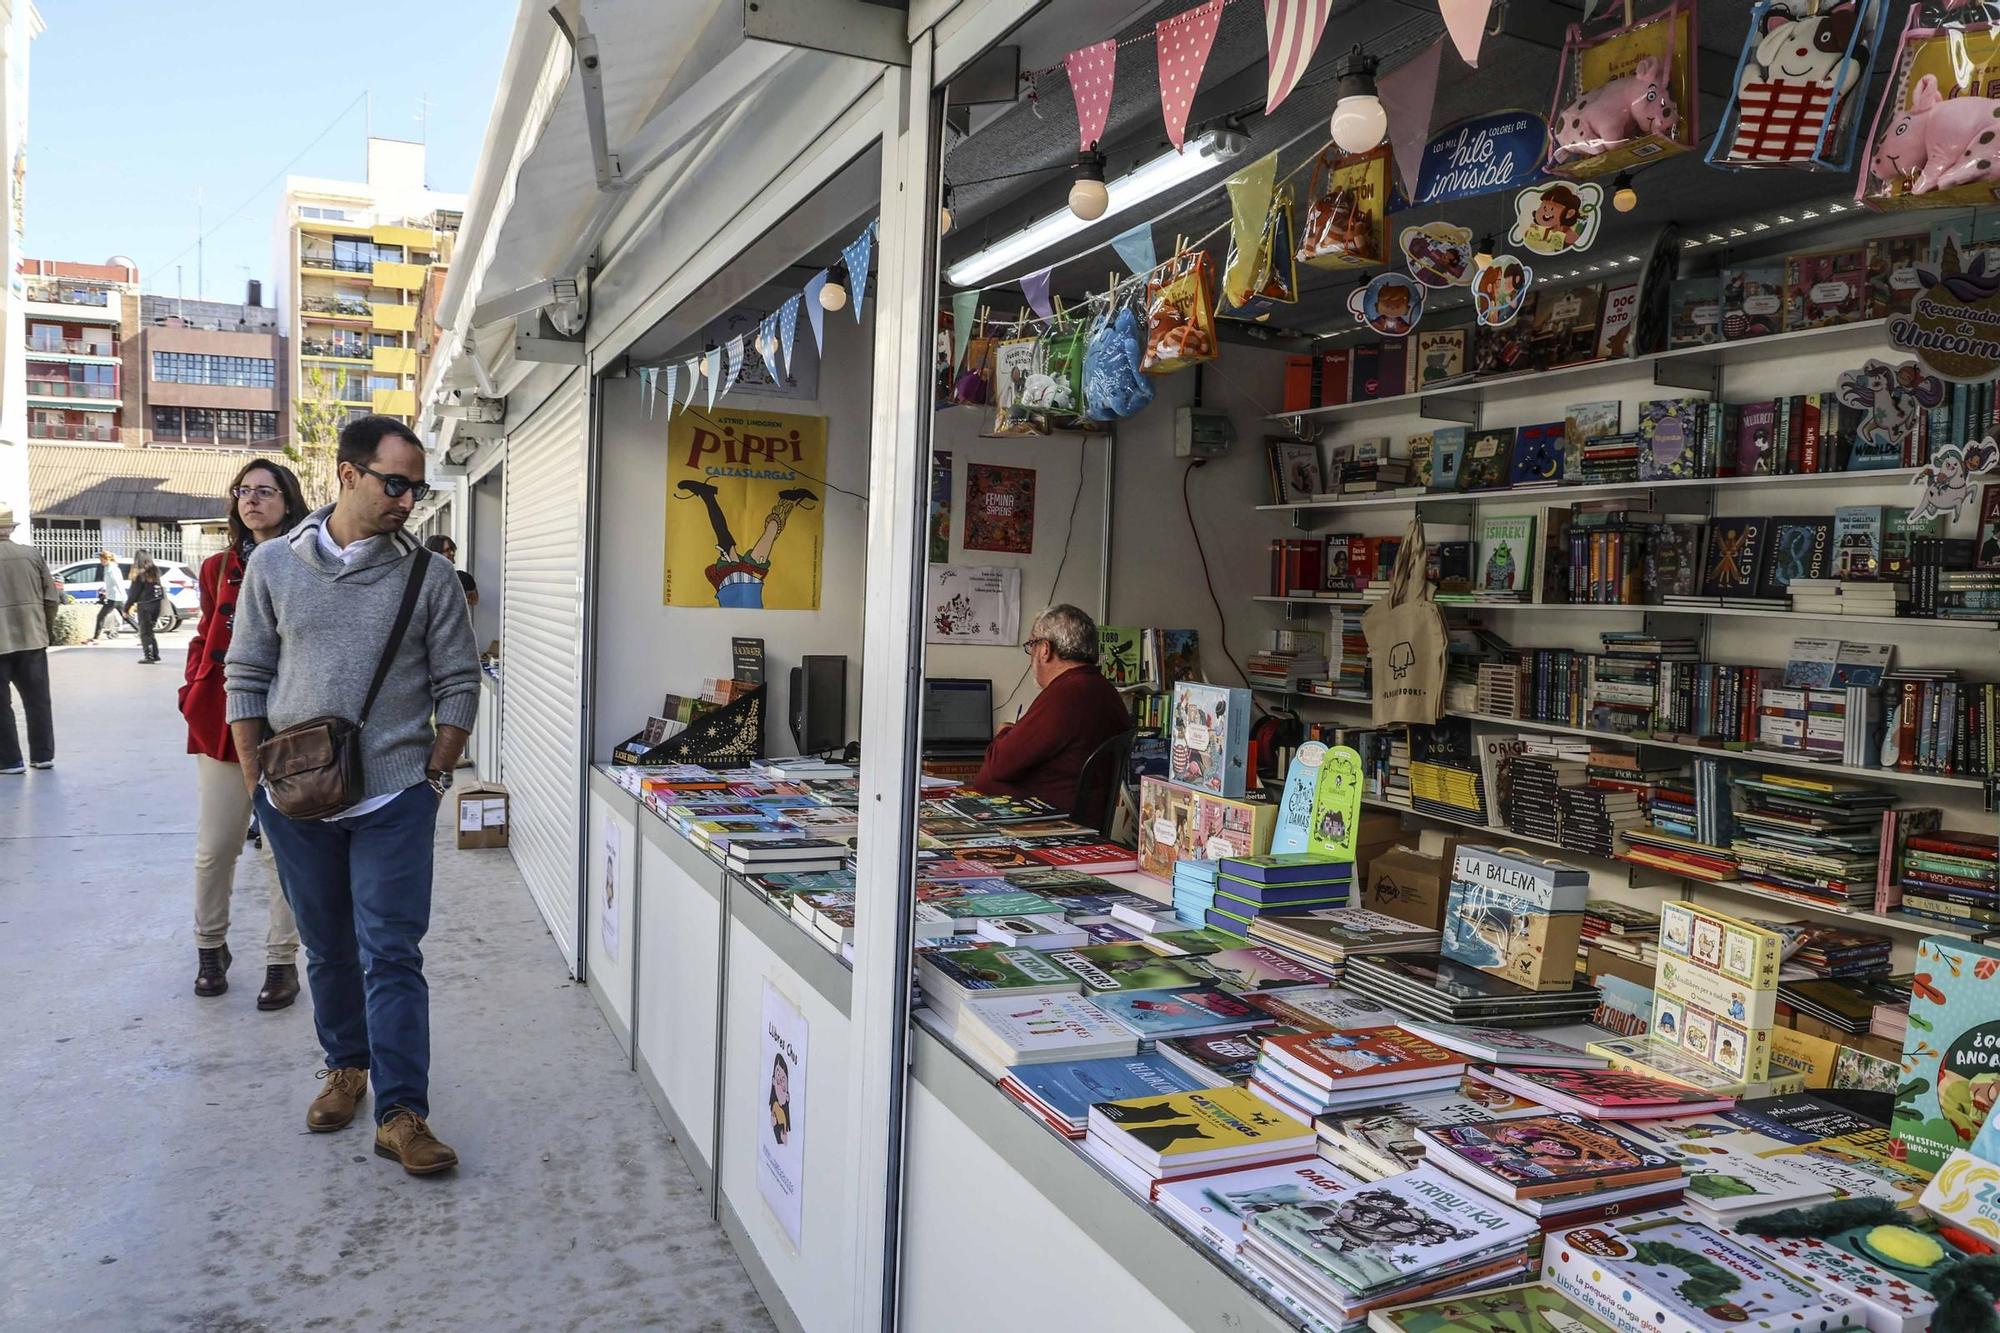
1648,608
1598,490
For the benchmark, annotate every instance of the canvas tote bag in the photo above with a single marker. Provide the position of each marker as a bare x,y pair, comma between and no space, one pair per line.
1406,641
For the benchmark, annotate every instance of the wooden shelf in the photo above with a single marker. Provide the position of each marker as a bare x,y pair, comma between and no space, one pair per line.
1564,494
1647,608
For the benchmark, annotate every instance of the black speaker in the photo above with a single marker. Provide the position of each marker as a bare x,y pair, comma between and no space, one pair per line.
819,704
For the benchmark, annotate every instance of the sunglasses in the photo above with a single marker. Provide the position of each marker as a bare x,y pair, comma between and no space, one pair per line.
395,486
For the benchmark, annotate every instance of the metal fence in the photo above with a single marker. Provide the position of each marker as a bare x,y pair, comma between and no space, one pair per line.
67,546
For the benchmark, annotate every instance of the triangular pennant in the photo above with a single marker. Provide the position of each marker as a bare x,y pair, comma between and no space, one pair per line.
693,369
1408,93
1036,288
735,350
1135,246
815,312
766,343
673,374
1091,71
711,366
1292,30
856,257
646,388
1249,200
1183,42
1465,20
788,330
964,309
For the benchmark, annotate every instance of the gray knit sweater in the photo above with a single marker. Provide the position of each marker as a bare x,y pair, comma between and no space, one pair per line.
309,631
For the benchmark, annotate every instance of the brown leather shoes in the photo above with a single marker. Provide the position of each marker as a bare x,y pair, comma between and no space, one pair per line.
212,970
405,1137
334,1107
281,986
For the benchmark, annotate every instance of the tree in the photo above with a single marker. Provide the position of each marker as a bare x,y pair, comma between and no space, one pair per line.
317,416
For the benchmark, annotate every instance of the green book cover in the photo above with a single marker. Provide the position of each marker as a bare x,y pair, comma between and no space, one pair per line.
1118,655
1951,1053
1506,554
1527,1309
1105,968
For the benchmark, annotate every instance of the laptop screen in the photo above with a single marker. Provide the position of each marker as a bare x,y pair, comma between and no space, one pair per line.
957,713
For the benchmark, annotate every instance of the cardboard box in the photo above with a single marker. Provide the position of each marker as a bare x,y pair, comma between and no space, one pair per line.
1598,961
482,815
1409,886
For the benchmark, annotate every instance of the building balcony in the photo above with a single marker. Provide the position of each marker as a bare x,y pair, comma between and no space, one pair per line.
72,311
403,277
70,389
395,402
389,317
72,347
395,360
64,293
333,349
415,238
334,307
73,432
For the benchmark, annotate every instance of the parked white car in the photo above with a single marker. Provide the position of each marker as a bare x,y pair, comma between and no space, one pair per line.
82,582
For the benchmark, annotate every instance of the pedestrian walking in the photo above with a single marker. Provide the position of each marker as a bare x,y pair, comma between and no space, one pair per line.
265,503
110,602
146,593
28,604
347,626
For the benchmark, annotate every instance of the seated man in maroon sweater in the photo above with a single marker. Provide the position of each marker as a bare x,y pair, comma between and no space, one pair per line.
1043,754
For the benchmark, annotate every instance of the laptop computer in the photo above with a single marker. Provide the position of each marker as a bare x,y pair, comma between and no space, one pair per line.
958,717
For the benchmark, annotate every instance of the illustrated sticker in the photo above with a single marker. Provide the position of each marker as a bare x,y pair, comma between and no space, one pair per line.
1947,478
1500,290
1953,324
1893,401
1438,254
1558,217
1336,816
1391,304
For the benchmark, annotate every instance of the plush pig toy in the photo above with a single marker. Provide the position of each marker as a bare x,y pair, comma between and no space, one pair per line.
1614,113
1943,141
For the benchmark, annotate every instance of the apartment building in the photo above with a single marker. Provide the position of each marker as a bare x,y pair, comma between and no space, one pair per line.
78,317
20,24
350,259
207,373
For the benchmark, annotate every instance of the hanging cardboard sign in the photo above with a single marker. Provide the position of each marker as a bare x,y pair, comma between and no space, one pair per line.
1439,254
1557,217
1947,479
1953,323
1391,304
1893,401
1501,150
1500,291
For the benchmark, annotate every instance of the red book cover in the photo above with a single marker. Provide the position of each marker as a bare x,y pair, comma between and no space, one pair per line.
1361,1056
1606,1092
1957,844
1336,374
1099,857
1299,383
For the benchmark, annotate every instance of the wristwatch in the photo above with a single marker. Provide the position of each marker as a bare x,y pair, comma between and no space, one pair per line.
439,778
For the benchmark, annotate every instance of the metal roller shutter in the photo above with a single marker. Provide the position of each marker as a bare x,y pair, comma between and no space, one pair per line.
541,656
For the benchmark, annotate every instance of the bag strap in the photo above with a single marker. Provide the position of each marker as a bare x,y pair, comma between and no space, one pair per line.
1410,560
412,586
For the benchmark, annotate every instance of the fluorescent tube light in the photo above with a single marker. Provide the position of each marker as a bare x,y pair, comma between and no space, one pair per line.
1204,152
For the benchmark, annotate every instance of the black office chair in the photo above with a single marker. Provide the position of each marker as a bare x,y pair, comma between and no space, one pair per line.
1099,785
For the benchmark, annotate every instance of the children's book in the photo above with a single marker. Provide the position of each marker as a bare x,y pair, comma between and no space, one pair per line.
1584,422
1889,1269
1129,967
1614,327
1260,968
1294,823
1604,1093
1216,1208
1951,1055
1506,555
1965,1192
1070,1088
1361,1057
1489,454
1177,1133
1726,1180
1381,1140
1753,301
1826,287
1336,808
1447,457
1857,541
1800,548
1515,917
1210,736
1673,563
1694,312
1295,471
1545,1156
1669,439
1715,990
1735,557
1179,1013
1540,454
1531,1306
1504,1046
1757,439
1438,355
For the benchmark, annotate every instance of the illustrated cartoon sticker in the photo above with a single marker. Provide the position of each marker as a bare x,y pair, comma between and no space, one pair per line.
1558,217
1391,304
1947,478
1953,324
1336,814
1500,290
1438,254
1893,400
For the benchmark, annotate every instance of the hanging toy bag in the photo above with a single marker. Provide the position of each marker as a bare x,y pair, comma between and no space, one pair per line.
1801,112
1017,361
1932,143
1113,385
1626,97
974,385
1274,274
1344,223
1180,314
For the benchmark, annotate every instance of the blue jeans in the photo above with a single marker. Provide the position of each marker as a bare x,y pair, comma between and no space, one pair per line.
361,890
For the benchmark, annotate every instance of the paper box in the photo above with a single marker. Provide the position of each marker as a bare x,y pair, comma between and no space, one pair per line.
482,815
1408,886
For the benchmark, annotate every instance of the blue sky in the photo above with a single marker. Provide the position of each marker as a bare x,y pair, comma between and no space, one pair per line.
134,107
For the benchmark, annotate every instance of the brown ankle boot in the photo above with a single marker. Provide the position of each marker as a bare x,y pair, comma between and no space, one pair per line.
334,1107
281,986
211,975
405,1137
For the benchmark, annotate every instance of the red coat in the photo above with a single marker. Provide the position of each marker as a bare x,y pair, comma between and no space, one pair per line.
202,699
1043,754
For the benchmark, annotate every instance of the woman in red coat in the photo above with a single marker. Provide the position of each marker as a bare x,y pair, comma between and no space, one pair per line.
264,502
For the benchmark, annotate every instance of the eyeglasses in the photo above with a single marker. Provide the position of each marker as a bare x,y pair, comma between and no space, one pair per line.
1032,644
394,485
255,492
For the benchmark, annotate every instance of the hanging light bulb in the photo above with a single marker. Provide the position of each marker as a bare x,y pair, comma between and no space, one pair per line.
1484,255
833,296
1623,197
1359,122
1087,196
944,212
701,366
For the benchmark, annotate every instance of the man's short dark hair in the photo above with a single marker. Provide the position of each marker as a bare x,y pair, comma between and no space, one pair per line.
363,436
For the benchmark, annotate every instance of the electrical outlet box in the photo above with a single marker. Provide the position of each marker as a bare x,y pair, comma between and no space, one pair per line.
1202,432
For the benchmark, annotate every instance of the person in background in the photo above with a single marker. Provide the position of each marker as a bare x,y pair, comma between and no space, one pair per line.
264,503
314,617
29,601
448,548
111,602
147,592
1043,754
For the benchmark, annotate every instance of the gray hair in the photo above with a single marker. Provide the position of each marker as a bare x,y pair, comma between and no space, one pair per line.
1070,633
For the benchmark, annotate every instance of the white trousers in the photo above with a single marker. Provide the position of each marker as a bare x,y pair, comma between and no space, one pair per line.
222,818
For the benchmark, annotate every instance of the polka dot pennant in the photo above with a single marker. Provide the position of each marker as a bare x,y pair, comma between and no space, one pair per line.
788,330
1091,71
1183,43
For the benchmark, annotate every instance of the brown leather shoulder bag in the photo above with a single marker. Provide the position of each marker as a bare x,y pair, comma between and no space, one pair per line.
313,770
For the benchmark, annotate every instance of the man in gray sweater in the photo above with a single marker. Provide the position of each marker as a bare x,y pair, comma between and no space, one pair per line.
311,622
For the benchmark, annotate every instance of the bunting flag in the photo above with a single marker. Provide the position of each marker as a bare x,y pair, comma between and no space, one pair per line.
964,309
673,380
815,312
711,367
1135,246
1091,71
1292,30
856,256
1249,200
767,345
1408,93
788,330
1183,43
1036,288
693,369
735,367
1465,20
649,377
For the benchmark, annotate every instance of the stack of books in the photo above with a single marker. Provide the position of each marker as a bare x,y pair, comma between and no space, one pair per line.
1593,815
1650,845
1006,1031
1311,1073
1531,808
1250,887
1062,1092
1295,656
1400,1239
1809,838
1194,889
1825,951
1559,1169
1846,597
1381,1140
1611,458
1951,877
1500,689
1327,939
950,977
1728,1182
1847,1006
1603,1094
1503,1046
1620,928
1430,987
1350,676
1142,1141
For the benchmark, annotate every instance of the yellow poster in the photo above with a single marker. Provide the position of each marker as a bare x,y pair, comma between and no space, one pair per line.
743,509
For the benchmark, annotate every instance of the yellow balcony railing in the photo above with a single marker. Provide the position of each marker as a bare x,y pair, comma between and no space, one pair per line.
395,360
403,277
392,318
396,402
389,233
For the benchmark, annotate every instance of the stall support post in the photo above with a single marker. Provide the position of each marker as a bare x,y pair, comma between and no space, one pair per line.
892,670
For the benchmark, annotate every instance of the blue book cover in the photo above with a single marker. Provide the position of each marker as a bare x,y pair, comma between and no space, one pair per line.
1070,1090
1294,900
1294,821
1285,868
1172,1013
1210,738
1447,457
1538,454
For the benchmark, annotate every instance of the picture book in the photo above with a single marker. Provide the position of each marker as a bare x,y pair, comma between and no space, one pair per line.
1583,422
1563,329
1694,312
1210,733
1118,654
1187,1128
1673,561
1070,1088
1336,809
1383,1234
1259,968
1489,455
1166,826
1756,439
1217,1059
1360,1057
1986,546
949,975
1614,326
1715,990
1174,1013
1667,1273
1855,1172
1504,1046
1606,1094
1951,1055
1653,1055
1726,1180
1529,1308
1545,1156
1216,1208
1294,822
1128,967
1438,355
1800,548
1381,1139
1795,1118
1669,439
1295,471
1893,281
1965,1192
1514,917
1447,457
1857,541
1419,446
1735,557
1888,1269
1826,287
1506,559
1753,304
1230,826
1540,454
